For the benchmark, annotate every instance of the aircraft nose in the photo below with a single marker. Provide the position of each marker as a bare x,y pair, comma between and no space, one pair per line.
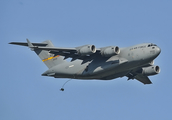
158,50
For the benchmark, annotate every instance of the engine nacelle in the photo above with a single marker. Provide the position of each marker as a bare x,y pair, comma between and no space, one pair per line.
149,64
152,70
87,50
110,51
152,62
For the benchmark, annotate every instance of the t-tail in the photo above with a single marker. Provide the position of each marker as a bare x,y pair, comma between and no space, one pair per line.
48,58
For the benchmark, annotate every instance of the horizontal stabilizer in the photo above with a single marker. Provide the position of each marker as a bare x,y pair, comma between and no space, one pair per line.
26,44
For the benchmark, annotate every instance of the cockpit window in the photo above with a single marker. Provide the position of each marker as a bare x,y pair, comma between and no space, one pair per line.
151,45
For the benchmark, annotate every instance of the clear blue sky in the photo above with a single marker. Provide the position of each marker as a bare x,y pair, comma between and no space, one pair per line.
26,95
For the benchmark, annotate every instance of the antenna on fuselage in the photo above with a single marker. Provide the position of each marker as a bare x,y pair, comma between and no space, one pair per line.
62,89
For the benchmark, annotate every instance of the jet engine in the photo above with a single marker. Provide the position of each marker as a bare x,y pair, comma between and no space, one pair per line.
86,50
152,70
110,51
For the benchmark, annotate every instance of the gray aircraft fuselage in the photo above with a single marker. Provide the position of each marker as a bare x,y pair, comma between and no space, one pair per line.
135,62
107,68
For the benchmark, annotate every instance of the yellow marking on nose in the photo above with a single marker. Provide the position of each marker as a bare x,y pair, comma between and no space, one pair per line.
50,58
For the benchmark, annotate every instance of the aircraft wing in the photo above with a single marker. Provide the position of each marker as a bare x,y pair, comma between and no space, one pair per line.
143,79
69,53
66,52
135,74
85,52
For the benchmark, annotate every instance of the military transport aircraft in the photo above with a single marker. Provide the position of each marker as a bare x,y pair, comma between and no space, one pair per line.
107,63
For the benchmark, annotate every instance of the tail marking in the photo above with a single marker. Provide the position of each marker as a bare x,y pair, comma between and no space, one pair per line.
50,58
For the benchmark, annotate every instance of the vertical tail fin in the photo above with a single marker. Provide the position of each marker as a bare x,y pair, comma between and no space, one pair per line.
49,59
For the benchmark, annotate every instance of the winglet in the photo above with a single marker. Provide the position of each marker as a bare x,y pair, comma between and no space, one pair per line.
30,44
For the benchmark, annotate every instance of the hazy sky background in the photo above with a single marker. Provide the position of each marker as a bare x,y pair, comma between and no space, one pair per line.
26,95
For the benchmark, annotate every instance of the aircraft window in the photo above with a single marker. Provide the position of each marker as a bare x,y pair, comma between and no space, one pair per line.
152,45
